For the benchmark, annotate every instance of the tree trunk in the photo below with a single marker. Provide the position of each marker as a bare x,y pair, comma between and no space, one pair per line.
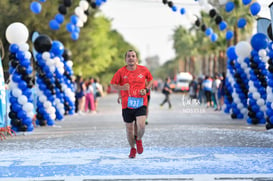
236,35
209,66
204,65
192,70
214,65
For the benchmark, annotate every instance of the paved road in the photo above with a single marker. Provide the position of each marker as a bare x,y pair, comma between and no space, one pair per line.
188,142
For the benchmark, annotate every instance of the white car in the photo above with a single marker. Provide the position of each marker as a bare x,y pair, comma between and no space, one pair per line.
183,80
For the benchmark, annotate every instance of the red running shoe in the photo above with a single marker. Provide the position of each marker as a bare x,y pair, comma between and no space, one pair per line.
132,153
139,146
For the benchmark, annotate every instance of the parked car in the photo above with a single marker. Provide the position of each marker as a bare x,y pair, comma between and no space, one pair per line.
183,80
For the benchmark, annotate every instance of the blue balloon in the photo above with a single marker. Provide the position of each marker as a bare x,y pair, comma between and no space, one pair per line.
74,19
229,6
77,29
174,8
16,107
12,100
182,11
59,18
255,8
246,2
30,127
75,36
22,85
42,1
13,48
231,53
29,70
222,25
54,25
20,55
16,78
36,7
214,37
259,41
70,27
50,122
241,23
22,114
208,31
98,2
229,35
57,48
27,121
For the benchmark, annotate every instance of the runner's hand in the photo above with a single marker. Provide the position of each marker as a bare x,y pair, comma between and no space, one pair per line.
126,86
143,92
119,100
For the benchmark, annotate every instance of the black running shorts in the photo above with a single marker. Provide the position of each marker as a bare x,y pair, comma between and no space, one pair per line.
129,115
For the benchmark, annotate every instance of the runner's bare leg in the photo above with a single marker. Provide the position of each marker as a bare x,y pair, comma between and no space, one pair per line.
130,134
140,121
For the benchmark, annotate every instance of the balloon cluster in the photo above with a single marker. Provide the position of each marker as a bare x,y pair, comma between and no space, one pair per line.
254,9
78,19
172,6
240,94
229,82
67,85
21,106
36,7
45,81
182,11
269,90
56,53
217,18
55,23
257,82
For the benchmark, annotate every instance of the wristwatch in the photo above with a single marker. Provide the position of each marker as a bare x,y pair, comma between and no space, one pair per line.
147,90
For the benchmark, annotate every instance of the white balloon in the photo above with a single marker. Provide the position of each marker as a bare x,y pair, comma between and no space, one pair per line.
78,11
28,55
22,99
256,95
28,107
47,104
262,53
243,49
42,98
53,116
260,102
240,106
52,68
83,18
80,23
84,5
69,63
12,85
46,55
16,92
17,33
23,47
30,114
269,98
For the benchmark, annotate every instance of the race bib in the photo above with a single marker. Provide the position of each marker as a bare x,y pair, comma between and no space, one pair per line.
134,102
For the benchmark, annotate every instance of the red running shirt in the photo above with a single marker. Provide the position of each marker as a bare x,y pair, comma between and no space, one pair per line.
136,80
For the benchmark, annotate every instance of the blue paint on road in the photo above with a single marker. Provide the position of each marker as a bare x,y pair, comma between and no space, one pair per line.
154,161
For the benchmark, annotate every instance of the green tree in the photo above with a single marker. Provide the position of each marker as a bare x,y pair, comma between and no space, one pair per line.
92,53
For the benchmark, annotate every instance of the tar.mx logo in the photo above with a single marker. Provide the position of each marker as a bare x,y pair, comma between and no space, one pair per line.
191,105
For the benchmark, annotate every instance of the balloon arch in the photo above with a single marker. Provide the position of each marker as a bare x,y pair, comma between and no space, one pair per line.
248,84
